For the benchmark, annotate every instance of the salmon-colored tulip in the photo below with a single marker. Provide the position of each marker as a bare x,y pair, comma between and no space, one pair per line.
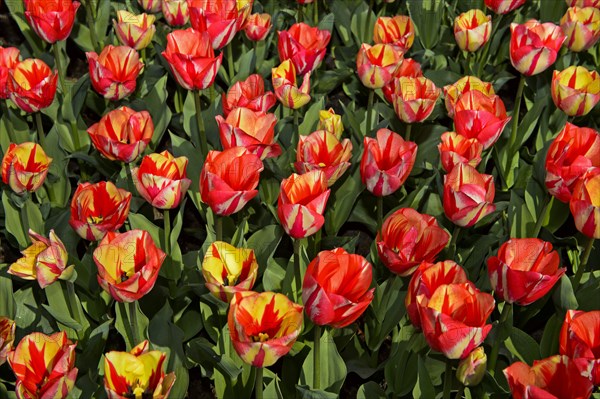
51,20
249,93
192,59
9,58
161,179
122,134
135,31
503,6
398,31
229,179
456,148
409,238
97,209
534,46
583,3
386,162
524,270
463,85
332,122
128,264
25,167
7,337
377,64
468,195
152,6
472,30
576,90
323,150
258,27
228,270
176,12
32,85
408,68
471,369
113,73
582,27
580,340
222,19
137,374
304,45
263,326
285,87
585,204
301,203
44,366
415,98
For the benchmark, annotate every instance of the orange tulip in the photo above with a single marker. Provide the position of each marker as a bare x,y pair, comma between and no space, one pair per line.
258,27
376,65
580,340
51,20
408,68
472,30
113,73
32,85
585,204
135,31
398,31
7,337
249,93
534,46
286,89
25,167
465,84
9,58
332,122
304,45
324,151
582,27
576,90
152,6
415,98
176,12
503,6
222,19
455,149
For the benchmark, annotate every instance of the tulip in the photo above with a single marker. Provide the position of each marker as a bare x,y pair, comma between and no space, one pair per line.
479,116
44,366
465,84
503,6
249,93
7,337
304,1
222,19
258,27
51,20
409,238
122,134
45,260
229,179
386,162
552,377
137,374
301,203
113,73
323,150
228,270
253,130
97,209
304,45
582,27
415,98
176,12
285,87
472,30
9,58
585,204
135,31
263,326
128,264
471,369
576,90
583,3
32,85
524,270
152,6
454,319
192,59
377,64
571,154
161,179
425,280
455,149
398,31
332,122
25,167
408,68
580,340
534,46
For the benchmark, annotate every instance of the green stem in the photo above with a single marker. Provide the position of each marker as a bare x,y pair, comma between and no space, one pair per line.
317,358
219,227
496,345
230,63
316,12
143,55
179,101
370,111
384,10
91,23
296,136
40,129
515,115
297,272
59,66
461,392
582,264
73,304
542,216
454,240
5,113
448,379
201,133
486,48
134,323
258,385
379,213
300,13
408,132
130,185
167,226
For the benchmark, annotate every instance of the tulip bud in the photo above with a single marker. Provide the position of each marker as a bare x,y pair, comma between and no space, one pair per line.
7,337
377,64
332,122
415,98
398,31
304,45
286,89
258,27
582,27
135,31
465,84
472,30
152,6
114,72
249,93
9,58
324,151
32,85
534,46
503,6
176,12
585,204
471,369
52,20
25,167
576,90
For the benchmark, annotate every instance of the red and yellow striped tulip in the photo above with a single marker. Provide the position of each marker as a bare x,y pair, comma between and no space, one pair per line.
409,68
503,6
286,89
463,85
468,195
472,30
228,270
122,134
263,326
415,98
324,151
51,20
249,93
44,366
137,374
471,369
32,85
336,290
25,167
9,58
222,19
258,27
176,12
45,260
386,162
304,45
583,3
97,209
456,148
582,27
376,65
534,46
161,179
7,337
585,204
152,6
571,154
524,270
580,340
398,31
576,90
192,59
135,31
253,130
113,73
553,377
332,122
128,264
301,203
409,238
229,179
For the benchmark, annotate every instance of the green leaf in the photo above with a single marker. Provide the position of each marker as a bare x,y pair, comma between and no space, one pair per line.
264,242
246,66
201,352
61,308
427,16
27,308
7,302
370,390
19,221
124,324
333,368
310,118
385,311
327,22
182,147
307,393
139,221
563,295
341,202
520,344
424,387
549,342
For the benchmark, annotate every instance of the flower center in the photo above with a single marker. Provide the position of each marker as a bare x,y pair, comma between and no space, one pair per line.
261,337
95,219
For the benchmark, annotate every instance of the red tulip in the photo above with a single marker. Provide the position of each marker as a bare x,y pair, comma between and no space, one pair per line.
32,85
176,12
9,58
408,68
376,65
323,150
585,204
222,19
398,31
580,340
534,46
304,45
25,167
114,72
52,20
258,27
503,6
463,85
455,149
249,93
415,98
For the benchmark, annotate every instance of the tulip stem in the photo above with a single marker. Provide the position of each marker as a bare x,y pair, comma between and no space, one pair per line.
370,111
90,20
230,63
219,227
130,186
200,122
317,358
134,323
143,55
316,12
454,241
167,225
542,216
379,213
9,132
486,48
73,305
61,71
384,10
408,131
461,392
496,346
300,14
296,136
258,386
515,115
297,273
40,129
582,264
448,379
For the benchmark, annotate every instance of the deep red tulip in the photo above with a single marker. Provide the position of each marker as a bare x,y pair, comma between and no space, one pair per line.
580,340
304,45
